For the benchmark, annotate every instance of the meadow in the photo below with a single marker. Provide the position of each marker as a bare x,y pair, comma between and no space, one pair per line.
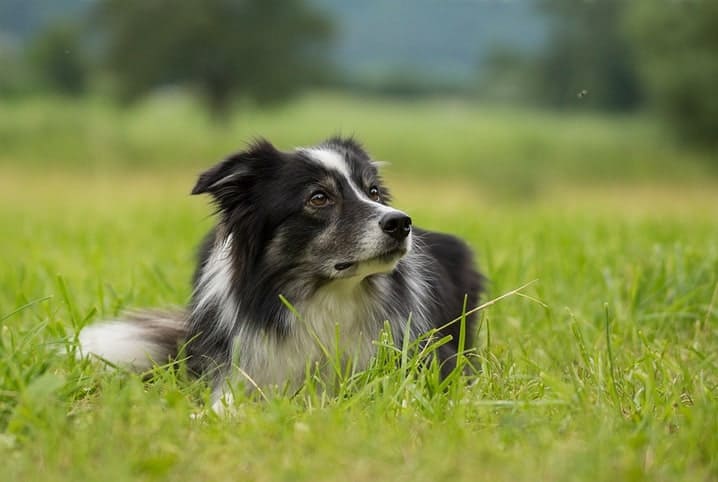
604,368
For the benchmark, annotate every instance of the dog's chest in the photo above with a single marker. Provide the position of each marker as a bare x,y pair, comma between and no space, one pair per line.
333,324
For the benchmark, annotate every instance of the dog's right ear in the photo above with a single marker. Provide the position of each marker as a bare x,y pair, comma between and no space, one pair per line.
236,167
211,180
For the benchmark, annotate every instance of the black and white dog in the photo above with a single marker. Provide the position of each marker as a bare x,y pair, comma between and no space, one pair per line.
313,226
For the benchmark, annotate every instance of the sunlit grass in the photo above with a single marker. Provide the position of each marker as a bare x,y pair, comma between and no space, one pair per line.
607,371
613,376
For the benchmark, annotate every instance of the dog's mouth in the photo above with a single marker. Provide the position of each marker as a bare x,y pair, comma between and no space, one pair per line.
386,257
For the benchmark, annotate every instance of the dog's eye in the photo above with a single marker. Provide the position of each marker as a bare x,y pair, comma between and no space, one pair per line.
319,199
374,194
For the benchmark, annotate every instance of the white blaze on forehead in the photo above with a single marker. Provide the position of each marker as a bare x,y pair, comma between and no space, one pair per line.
334,161
329,159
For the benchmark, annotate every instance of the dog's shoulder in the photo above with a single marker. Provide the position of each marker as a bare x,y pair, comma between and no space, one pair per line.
453,260
452,252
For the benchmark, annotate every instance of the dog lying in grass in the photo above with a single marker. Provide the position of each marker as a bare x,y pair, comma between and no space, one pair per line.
307,253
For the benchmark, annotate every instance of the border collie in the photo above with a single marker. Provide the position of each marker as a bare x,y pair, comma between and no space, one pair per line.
306,253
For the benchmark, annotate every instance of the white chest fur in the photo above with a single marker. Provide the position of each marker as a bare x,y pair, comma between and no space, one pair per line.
336,323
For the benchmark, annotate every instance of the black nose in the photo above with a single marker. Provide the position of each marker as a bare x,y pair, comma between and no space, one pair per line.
396,224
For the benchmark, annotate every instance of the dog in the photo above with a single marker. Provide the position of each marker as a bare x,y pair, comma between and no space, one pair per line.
307,253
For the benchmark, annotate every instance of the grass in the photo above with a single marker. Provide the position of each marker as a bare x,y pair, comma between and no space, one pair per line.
613,376
513,152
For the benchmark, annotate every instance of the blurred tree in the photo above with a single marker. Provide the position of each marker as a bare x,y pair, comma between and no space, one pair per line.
588,60
14,75
678,47
262,49
58,59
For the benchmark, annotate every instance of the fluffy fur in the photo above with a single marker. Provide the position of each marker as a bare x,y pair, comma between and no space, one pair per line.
313,226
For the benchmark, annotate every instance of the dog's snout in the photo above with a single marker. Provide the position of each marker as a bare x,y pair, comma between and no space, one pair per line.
396,224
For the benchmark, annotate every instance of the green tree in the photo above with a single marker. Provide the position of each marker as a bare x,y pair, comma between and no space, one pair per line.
589,60
58,59
265,50
677,43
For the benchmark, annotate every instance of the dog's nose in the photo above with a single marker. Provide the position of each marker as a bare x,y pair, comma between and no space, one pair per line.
396,224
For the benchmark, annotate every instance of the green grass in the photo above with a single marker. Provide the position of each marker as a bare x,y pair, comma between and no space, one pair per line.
512,152
615,378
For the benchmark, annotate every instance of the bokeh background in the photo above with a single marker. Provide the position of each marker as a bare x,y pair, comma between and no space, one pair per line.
513,96
570,142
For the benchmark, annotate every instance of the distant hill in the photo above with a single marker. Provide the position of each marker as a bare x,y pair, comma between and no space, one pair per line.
443,40
433,38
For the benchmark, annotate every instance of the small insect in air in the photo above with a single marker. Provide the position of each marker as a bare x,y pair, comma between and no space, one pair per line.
582,93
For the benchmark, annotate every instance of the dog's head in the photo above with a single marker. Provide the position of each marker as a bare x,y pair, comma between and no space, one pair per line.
319,213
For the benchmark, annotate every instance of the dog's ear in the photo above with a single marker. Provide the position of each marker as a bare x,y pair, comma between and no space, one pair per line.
213,178
241,165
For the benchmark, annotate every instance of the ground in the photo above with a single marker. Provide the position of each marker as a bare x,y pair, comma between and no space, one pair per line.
605,368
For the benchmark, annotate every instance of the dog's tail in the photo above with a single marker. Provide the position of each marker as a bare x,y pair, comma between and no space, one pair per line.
139,340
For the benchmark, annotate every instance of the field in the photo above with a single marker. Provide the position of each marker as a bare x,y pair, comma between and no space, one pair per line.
604,369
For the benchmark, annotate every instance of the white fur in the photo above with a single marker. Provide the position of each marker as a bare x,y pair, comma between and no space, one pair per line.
329,159
222,400
121,343
334,161
215,284
337,317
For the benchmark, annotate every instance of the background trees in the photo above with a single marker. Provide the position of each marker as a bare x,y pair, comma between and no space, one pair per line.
588,56
615,55
608,55
265,50
59,59
677,56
